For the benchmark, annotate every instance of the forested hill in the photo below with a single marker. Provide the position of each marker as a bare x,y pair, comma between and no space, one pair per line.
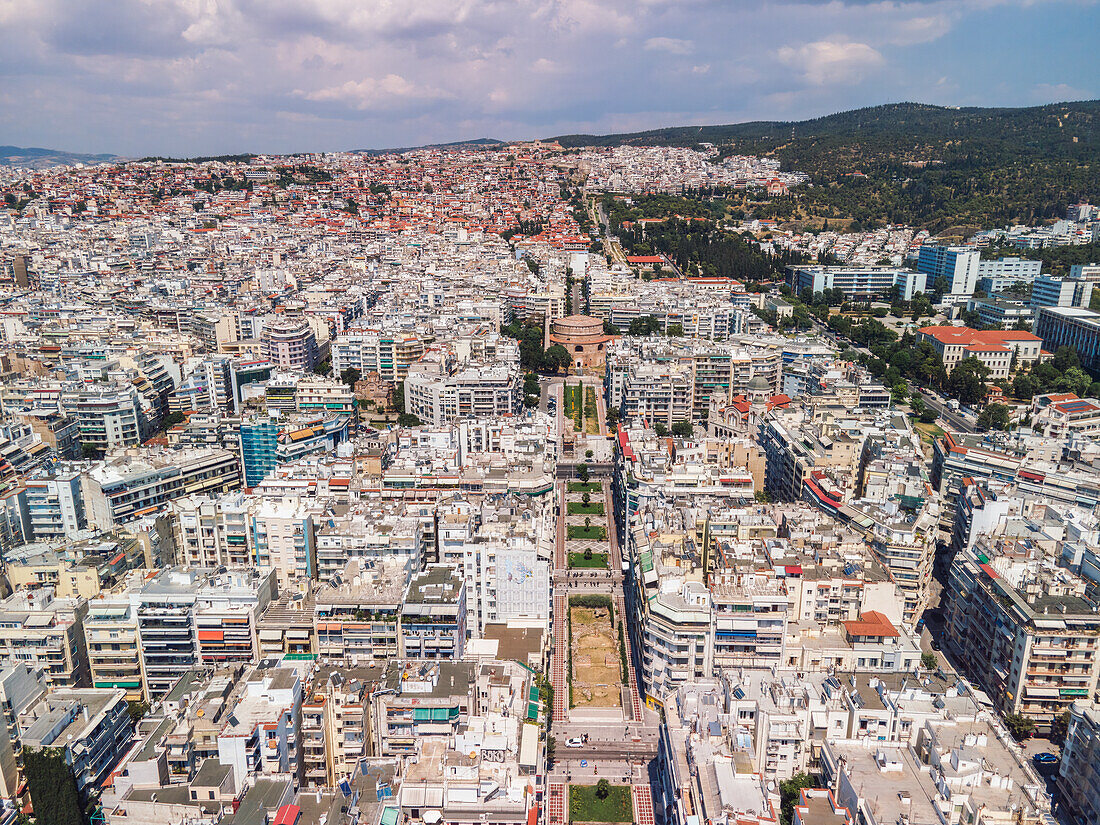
926,165
896,130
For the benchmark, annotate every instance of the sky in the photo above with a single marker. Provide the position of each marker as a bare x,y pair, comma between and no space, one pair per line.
191,77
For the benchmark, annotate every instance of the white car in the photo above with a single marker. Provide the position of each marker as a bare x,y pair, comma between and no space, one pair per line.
575,742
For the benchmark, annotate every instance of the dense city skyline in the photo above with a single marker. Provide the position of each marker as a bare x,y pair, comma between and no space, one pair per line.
181,78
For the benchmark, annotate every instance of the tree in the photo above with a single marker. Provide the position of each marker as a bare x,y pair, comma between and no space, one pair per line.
398,398
603,789
350,376
1059,726
928,661
929,416
660,429
1025,386
994,417
916,404
588,554
408,420
790,793
556,359
967,380
324,368
589,453
54,795
683,429
138,708
612,416
586,499
531,384
610,329
762,497
551,750
1064,358
1075,380
1019,726
172,419
675,330
582,473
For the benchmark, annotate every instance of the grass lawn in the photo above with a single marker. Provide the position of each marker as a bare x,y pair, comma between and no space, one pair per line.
579,508
584,487
585,807
598,560
579,532
928,432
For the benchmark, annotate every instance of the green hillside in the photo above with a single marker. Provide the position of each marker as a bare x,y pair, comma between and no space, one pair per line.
926,165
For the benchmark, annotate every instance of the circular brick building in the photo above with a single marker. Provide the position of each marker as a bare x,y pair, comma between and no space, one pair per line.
583,337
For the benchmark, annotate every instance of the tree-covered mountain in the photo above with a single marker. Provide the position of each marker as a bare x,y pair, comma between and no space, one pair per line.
476,143
33,157
913,163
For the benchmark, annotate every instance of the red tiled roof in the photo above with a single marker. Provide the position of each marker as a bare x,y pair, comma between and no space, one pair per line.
871,623
966,335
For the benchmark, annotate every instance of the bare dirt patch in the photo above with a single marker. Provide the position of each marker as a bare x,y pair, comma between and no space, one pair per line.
597,673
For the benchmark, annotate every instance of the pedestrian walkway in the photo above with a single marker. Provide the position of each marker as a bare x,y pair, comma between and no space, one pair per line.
560,658
636,709
642,798
555,804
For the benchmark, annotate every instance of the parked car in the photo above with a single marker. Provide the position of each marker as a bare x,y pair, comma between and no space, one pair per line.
1046,759
575,742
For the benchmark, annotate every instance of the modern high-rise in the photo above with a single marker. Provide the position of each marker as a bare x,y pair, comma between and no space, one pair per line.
1048,291
859,283
1071,326
959,265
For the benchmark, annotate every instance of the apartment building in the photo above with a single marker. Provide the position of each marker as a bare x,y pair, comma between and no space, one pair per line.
137,483
1021,627
108,417
357,615
55,504
1079,768
289,343
388,354
484,391
419,702
91,726
174,621
433,614
47,633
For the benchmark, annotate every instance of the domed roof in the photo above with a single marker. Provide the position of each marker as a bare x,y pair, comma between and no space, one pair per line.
758,383
578,321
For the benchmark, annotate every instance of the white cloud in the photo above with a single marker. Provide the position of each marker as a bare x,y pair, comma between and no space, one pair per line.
274,75
825,62
370,93
668,44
